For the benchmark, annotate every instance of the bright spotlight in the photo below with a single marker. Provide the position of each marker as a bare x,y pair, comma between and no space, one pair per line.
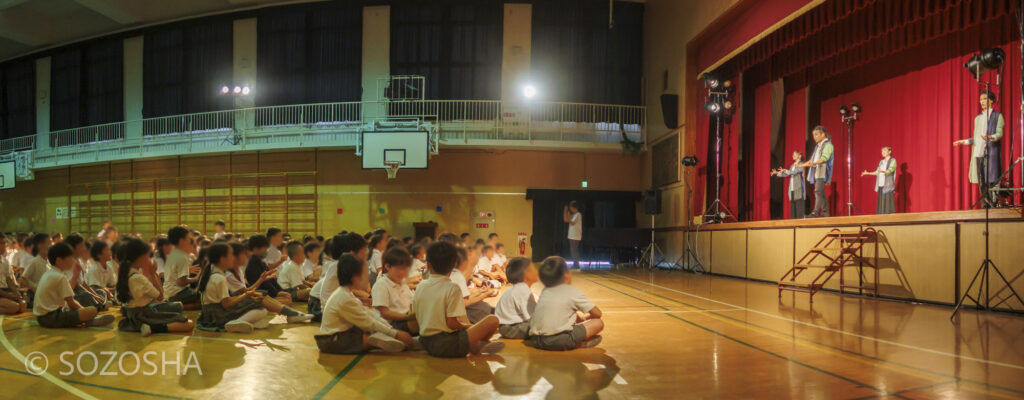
713,107
225,90
238,89
245,91
529,91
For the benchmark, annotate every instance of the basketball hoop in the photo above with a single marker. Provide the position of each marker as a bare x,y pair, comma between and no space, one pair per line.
392,168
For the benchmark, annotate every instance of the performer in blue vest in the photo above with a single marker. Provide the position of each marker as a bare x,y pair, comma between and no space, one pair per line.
885,182
988,130
820,172
797,192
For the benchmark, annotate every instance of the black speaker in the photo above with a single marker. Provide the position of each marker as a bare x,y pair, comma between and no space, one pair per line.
652,201
670,110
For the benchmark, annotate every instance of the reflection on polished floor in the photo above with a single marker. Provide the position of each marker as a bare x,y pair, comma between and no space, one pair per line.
684,336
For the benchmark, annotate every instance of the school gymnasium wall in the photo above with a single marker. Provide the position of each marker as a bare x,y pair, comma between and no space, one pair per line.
458,181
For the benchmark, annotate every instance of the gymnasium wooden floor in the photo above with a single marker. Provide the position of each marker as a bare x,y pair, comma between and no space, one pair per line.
685,336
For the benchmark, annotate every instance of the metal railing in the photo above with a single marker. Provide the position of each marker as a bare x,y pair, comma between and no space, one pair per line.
337,124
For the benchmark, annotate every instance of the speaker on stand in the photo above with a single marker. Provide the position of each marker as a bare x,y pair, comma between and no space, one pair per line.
652,255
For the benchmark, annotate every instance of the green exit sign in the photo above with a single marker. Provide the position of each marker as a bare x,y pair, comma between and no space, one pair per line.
584,184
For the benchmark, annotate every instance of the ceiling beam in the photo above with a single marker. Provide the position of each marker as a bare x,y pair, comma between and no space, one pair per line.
124,12
24,30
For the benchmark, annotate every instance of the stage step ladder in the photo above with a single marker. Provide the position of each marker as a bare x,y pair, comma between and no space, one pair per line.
835,251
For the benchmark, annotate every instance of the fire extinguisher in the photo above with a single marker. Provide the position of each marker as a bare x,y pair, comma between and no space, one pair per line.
522,243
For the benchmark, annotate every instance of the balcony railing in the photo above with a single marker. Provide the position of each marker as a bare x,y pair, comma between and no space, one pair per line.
456,122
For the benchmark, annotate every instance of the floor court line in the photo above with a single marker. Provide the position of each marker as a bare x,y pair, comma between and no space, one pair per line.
755,347
889,342
337,378
163,396
838,349
45,375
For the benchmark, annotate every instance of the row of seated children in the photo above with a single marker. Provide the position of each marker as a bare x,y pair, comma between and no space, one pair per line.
437,310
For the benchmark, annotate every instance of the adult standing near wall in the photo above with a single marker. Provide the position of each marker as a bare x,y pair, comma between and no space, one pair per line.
571,215
820,172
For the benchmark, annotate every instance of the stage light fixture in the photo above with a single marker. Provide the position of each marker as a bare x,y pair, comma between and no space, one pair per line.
529,91
855,108
245,91
843,110
689,161
727,105
711,81
986,60
713,107
238,89
225,90
727,84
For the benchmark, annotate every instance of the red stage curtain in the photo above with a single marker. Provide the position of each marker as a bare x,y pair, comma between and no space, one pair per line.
760,164
796,131
757,17
920,114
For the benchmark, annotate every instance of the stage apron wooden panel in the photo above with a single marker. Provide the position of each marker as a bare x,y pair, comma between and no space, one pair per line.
918,262
769,253
729,253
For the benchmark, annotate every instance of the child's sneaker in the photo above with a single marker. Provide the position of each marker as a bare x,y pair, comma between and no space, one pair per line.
146,330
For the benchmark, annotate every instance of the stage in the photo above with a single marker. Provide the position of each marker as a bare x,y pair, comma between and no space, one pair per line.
926,257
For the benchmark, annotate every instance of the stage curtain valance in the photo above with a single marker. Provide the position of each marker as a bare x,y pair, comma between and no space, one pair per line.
840,35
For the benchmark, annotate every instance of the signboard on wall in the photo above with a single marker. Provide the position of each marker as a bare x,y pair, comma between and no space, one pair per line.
62,213
665,161
7,175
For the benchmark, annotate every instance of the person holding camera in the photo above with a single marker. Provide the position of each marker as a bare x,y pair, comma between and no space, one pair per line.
571,215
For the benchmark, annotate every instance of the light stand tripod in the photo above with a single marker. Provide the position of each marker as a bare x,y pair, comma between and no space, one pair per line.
717,211
652,250
985,303
688,254
849,119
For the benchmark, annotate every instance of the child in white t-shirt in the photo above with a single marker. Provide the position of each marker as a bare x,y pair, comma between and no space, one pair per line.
553,325
11,301
54,305
391,295
311,267
348,326
290,277
439,309
517,304
139,291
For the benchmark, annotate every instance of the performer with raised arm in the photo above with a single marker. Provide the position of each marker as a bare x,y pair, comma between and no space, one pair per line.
820,172
988,130
797,191
885,182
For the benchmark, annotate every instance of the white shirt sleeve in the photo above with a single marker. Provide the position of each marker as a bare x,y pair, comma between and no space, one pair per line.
380,294
454,306
354,312
581,302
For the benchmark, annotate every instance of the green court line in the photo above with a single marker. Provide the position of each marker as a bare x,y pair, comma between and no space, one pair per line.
117,389
873,358
330,385
800,363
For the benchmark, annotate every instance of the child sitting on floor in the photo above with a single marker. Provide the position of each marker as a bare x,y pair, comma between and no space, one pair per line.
517,303
11,301
240,313
554,323
473,299
391,295
438,306
348,326
290,278
54,305
140,293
